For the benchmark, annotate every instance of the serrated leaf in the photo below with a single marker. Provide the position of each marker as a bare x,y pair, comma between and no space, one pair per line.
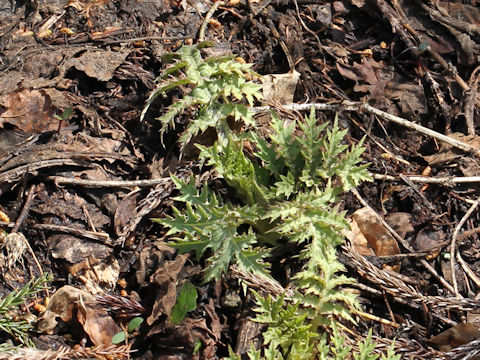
172,69
239,172
160,91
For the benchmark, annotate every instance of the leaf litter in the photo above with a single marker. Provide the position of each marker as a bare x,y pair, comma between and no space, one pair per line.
411,59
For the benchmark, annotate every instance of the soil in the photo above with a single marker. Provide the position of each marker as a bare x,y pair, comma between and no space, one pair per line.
67,182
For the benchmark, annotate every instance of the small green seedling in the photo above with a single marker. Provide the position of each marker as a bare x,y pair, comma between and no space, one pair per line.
196,348
131,327
186,301
65,115
423,47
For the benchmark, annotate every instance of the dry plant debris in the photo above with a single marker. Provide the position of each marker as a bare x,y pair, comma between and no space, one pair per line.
76,194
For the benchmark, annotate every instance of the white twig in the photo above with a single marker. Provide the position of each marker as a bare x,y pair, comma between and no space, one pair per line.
467,269
208,17
448,181
356,106
453,244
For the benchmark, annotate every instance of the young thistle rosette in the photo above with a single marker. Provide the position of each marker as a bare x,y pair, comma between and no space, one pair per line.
213,87
286,190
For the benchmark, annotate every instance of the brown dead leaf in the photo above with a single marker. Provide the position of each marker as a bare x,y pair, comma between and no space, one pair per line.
400,222
69,208
99,326
125,211
446,267
96,322
358,240
74,250
426,240
280,87
371,76
31,111
85,142
62,305
99,64
215,325
151,257
409,98
166,278
458,335
186,334
448,153
379,239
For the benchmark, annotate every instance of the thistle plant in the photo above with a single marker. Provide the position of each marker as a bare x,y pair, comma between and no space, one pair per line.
213,87
286,189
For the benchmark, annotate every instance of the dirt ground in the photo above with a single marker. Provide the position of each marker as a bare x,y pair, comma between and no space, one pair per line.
82,187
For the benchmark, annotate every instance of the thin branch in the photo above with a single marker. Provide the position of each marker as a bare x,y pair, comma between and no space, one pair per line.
23,215
60,180
357,106
98,236
447,181
208,16
453,244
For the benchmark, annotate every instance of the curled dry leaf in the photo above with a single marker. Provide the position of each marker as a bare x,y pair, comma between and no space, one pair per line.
428,241
96,322
30,111
378,238
458,335
99,65
280,87
166,278
61,305
401,222
358,240
448,153
126,211
74,250
99,326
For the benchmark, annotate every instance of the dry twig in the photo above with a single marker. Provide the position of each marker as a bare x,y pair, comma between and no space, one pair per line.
453,244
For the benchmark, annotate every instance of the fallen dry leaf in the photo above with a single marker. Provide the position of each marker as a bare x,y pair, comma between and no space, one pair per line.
456,336
448,153
379,239
125,211
151,257
166,278
62,305
400,222
371,76
31,111
98,325
358,240
186,335
96,322
74,250
99,64
377,236
280,87
427,240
